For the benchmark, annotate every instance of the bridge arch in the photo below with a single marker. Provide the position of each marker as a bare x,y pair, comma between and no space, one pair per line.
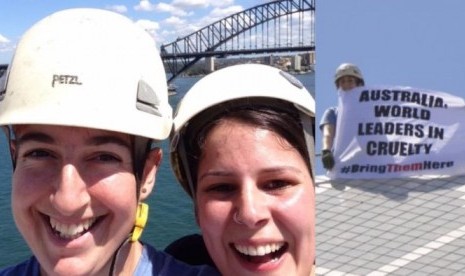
266,28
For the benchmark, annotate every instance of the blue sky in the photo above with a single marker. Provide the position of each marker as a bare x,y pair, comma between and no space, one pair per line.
166,20
416,43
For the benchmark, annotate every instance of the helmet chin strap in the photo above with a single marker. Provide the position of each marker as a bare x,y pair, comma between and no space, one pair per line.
9,133
185,163
141,148
115,257
309,135
142,215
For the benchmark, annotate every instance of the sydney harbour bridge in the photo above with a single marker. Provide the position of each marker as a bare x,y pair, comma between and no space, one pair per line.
274,27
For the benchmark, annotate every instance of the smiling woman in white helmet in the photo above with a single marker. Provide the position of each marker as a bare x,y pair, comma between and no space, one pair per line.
85,98
243,149
347,77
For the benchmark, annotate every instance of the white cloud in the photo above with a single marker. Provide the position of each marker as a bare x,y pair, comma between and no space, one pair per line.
218,14
145,5
221,3
186,16
3,40
6,46
183,27
191,3
118,8
224,12
201,3
174,20
163,7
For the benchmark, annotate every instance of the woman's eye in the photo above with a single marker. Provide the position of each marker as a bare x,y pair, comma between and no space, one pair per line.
107,158
276,185
37,154
221,188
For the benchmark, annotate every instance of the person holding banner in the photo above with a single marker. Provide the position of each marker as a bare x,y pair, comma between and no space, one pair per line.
244,153
347,77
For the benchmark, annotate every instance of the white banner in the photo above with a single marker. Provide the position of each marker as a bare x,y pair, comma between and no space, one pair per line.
398,132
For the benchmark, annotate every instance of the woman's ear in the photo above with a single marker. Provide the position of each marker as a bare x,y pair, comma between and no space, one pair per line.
152,163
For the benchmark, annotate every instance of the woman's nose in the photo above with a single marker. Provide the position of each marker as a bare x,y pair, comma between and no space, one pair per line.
251,208
70,193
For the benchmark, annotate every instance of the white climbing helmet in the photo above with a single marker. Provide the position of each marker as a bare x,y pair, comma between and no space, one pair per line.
348,69
88,68
232,83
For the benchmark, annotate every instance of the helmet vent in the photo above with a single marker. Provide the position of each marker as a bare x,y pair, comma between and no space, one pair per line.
290,78
2,93
3,78
147,100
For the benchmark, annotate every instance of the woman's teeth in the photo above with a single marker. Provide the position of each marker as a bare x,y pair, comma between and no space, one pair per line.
260,250
70,231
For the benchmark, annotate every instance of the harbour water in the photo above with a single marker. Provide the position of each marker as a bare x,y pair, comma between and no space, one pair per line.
171,211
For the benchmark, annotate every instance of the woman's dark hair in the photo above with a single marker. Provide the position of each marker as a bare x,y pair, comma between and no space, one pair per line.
274,115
